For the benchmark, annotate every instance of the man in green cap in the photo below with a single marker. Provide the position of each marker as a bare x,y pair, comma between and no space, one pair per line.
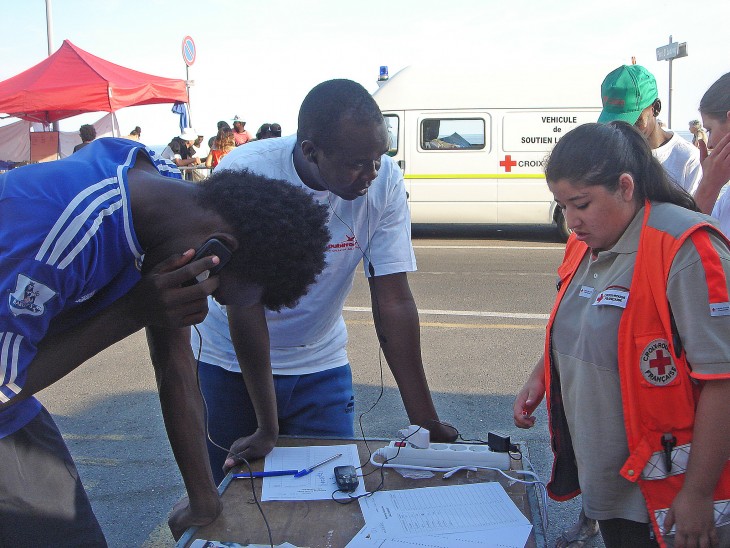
630,94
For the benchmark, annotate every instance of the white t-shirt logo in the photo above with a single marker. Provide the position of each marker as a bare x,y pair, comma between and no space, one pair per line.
29,297
347,244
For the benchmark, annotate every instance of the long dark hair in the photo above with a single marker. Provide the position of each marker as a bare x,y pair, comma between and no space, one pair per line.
597,154
715,102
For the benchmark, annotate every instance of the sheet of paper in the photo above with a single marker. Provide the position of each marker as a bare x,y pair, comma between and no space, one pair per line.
505,537
438,510
318,484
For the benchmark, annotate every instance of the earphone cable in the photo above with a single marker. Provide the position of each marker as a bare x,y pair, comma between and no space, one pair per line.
210,439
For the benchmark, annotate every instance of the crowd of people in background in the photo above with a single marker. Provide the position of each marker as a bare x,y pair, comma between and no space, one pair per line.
185,149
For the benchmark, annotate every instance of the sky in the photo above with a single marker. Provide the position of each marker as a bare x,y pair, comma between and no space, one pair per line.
259,59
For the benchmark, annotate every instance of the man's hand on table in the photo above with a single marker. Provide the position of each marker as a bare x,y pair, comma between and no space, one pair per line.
257,445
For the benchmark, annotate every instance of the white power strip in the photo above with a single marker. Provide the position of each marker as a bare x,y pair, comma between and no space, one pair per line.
444,455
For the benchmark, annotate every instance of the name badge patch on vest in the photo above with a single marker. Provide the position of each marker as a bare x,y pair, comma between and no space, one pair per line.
586,292
719,309
657,364
612,296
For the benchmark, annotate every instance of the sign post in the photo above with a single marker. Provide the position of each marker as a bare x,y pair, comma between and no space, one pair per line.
673,50
188,53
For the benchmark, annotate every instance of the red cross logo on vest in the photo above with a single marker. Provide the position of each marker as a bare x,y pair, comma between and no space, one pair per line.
660,362
657,364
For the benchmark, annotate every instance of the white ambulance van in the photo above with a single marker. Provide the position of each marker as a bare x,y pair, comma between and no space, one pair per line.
472,146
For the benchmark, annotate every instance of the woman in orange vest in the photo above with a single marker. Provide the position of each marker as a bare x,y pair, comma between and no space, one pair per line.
636,366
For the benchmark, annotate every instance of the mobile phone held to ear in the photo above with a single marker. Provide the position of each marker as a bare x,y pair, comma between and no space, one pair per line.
211,247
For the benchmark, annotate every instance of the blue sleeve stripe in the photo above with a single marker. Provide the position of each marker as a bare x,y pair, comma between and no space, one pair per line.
126,211
169,170
72,230
89,234
67,213
9,365
163,165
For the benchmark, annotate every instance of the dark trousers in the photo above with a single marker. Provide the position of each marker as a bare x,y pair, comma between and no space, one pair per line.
42,500
623,533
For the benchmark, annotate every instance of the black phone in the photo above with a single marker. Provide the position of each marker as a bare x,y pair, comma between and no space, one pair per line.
211,247
346,478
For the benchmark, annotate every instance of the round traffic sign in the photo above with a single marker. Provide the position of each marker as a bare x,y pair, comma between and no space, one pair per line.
188,50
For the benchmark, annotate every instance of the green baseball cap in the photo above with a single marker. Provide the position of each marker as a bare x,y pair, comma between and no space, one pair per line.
625,92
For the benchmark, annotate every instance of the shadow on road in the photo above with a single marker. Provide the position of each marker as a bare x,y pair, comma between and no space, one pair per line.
125,463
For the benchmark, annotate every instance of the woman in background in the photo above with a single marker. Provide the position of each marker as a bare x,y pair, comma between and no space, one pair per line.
223,144
135,134
715,111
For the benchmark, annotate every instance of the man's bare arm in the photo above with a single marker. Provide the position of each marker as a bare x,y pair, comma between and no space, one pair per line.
398,329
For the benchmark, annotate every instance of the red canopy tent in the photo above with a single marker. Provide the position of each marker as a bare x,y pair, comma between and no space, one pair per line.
73,81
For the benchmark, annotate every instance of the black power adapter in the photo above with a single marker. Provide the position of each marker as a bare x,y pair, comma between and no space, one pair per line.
500,443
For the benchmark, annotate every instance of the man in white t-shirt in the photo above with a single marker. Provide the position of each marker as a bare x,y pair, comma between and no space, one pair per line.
630,94
339,155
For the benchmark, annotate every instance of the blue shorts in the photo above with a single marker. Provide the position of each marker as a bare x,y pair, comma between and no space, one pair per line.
318,405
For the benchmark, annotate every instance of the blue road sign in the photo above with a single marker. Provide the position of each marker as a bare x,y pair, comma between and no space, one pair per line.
188,51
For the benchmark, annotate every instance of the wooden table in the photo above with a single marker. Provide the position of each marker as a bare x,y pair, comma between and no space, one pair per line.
325,523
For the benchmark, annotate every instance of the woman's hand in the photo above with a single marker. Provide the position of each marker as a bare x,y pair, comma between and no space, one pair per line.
715,173
530,397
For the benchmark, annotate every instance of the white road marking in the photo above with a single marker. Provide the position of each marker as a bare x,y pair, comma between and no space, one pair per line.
512,247
474,313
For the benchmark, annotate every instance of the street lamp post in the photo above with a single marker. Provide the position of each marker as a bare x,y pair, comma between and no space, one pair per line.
673,50
49,35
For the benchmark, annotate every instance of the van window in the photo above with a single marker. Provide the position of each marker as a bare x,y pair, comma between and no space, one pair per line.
452,134
392,123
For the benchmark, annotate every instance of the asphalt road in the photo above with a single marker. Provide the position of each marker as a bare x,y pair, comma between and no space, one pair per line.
483,295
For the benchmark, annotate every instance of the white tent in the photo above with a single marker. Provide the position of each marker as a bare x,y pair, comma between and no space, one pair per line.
15,138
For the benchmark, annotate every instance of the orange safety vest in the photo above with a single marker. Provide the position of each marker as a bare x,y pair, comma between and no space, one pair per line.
659,396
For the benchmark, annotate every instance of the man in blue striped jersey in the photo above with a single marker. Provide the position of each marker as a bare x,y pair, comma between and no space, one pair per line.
95,247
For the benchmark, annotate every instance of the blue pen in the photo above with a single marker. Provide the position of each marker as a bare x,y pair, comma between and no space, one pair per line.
266,474
306,471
